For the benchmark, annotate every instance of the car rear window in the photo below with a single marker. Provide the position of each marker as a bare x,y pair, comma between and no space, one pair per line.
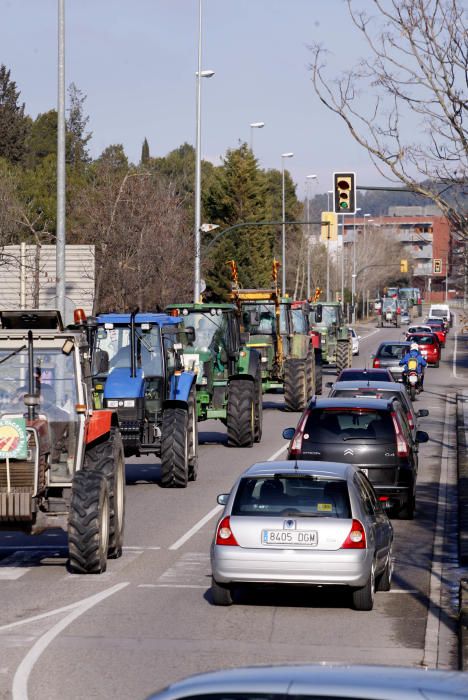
354,375
362,392
423,339
392,350
292,496
343,424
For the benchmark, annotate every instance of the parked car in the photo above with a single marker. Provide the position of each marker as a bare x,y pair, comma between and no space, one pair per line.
316,523
373,434
437,327
364,373
380,390
323,681
389,354
429,347
355,338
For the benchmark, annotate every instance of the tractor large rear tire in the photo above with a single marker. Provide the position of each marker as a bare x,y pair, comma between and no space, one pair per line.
88,523
295,384
193,436
342,355
107,458
175,448
318,372
258,406
240,420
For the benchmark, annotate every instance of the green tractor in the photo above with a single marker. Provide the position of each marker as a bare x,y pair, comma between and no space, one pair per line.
228,374
335,339
279,333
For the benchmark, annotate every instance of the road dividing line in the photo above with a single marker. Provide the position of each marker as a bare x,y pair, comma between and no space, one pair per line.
20,680
206,518
217,509
431,641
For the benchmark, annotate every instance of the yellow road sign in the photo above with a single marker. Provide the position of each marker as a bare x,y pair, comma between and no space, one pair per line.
329,232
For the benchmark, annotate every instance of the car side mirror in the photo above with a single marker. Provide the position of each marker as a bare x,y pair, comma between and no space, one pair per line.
223,499
101,362
423,412
318,313
254,318
288,433
422,436
190,333
329,385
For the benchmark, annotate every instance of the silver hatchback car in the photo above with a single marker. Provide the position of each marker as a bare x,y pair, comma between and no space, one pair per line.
302,522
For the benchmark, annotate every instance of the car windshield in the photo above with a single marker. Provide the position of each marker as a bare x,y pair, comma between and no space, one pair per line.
296,496
392,350
116,343
266,318
343,424
362,392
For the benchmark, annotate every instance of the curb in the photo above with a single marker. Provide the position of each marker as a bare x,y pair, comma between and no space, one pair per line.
462,476
463,626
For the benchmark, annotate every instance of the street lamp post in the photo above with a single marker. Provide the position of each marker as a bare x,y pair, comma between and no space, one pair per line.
283,240
199,75
328,199
254,125
353,284
309,178
60,241
365,305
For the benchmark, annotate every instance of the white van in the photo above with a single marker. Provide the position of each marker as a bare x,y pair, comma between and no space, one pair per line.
441,311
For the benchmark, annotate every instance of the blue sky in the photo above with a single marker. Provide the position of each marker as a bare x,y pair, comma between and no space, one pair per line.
136,63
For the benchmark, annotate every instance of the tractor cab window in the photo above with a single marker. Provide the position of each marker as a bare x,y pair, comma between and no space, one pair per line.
260,319
55,383
299,321
115,343
330,315
211,329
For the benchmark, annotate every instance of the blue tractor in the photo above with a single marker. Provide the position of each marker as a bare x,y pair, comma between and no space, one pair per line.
138,372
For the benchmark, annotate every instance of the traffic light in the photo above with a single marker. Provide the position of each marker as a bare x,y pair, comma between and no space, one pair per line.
403,266
437,266
344,189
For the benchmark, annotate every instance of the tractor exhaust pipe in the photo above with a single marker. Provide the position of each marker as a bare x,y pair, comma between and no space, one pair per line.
31,382
132,343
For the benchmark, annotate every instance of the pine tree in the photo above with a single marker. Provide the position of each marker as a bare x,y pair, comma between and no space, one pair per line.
145,153
77,138
13,123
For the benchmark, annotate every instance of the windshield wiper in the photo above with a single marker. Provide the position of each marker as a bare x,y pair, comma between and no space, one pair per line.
359,437
15,352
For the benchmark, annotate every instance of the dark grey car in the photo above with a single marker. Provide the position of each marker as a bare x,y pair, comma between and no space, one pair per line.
388,356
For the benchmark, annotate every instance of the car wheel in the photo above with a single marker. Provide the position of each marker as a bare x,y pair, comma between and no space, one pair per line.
436,364
407,510
363,598
384,581
220,593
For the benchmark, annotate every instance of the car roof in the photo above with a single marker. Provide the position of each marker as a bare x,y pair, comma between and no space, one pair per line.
158,318
334,469
365,370
340,402
393,342
368,384
320,680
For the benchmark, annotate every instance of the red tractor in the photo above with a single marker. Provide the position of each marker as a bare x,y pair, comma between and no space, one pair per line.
61,460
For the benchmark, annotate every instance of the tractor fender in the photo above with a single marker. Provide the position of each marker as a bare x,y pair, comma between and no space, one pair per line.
248,366
180,386
100,424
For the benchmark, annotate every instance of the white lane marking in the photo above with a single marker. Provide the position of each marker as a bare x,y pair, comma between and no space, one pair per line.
13,573
21,677
405,590
206,518
431,641
454,363
364,337
143,549
277,453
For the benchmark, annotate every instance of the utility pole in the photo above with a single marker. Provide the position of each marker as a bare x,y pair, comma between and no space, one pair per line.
60,241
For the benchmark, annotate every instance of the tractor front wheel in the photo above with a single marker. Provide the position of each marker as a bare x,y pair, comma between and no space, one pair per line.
258,406
193,436
295,384
107,458
175,448
240,420
88,523
310,374
318,371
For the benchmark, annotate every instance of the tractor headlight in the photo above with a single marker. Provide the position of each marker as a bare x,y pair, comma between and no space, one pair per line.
112,403
129,403
204,380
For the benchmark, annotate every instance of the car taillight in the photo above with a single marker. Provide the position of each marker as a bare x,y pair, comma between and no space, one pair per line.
376,362
356,538
398,310
224,533
410,419
296,443
402,447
